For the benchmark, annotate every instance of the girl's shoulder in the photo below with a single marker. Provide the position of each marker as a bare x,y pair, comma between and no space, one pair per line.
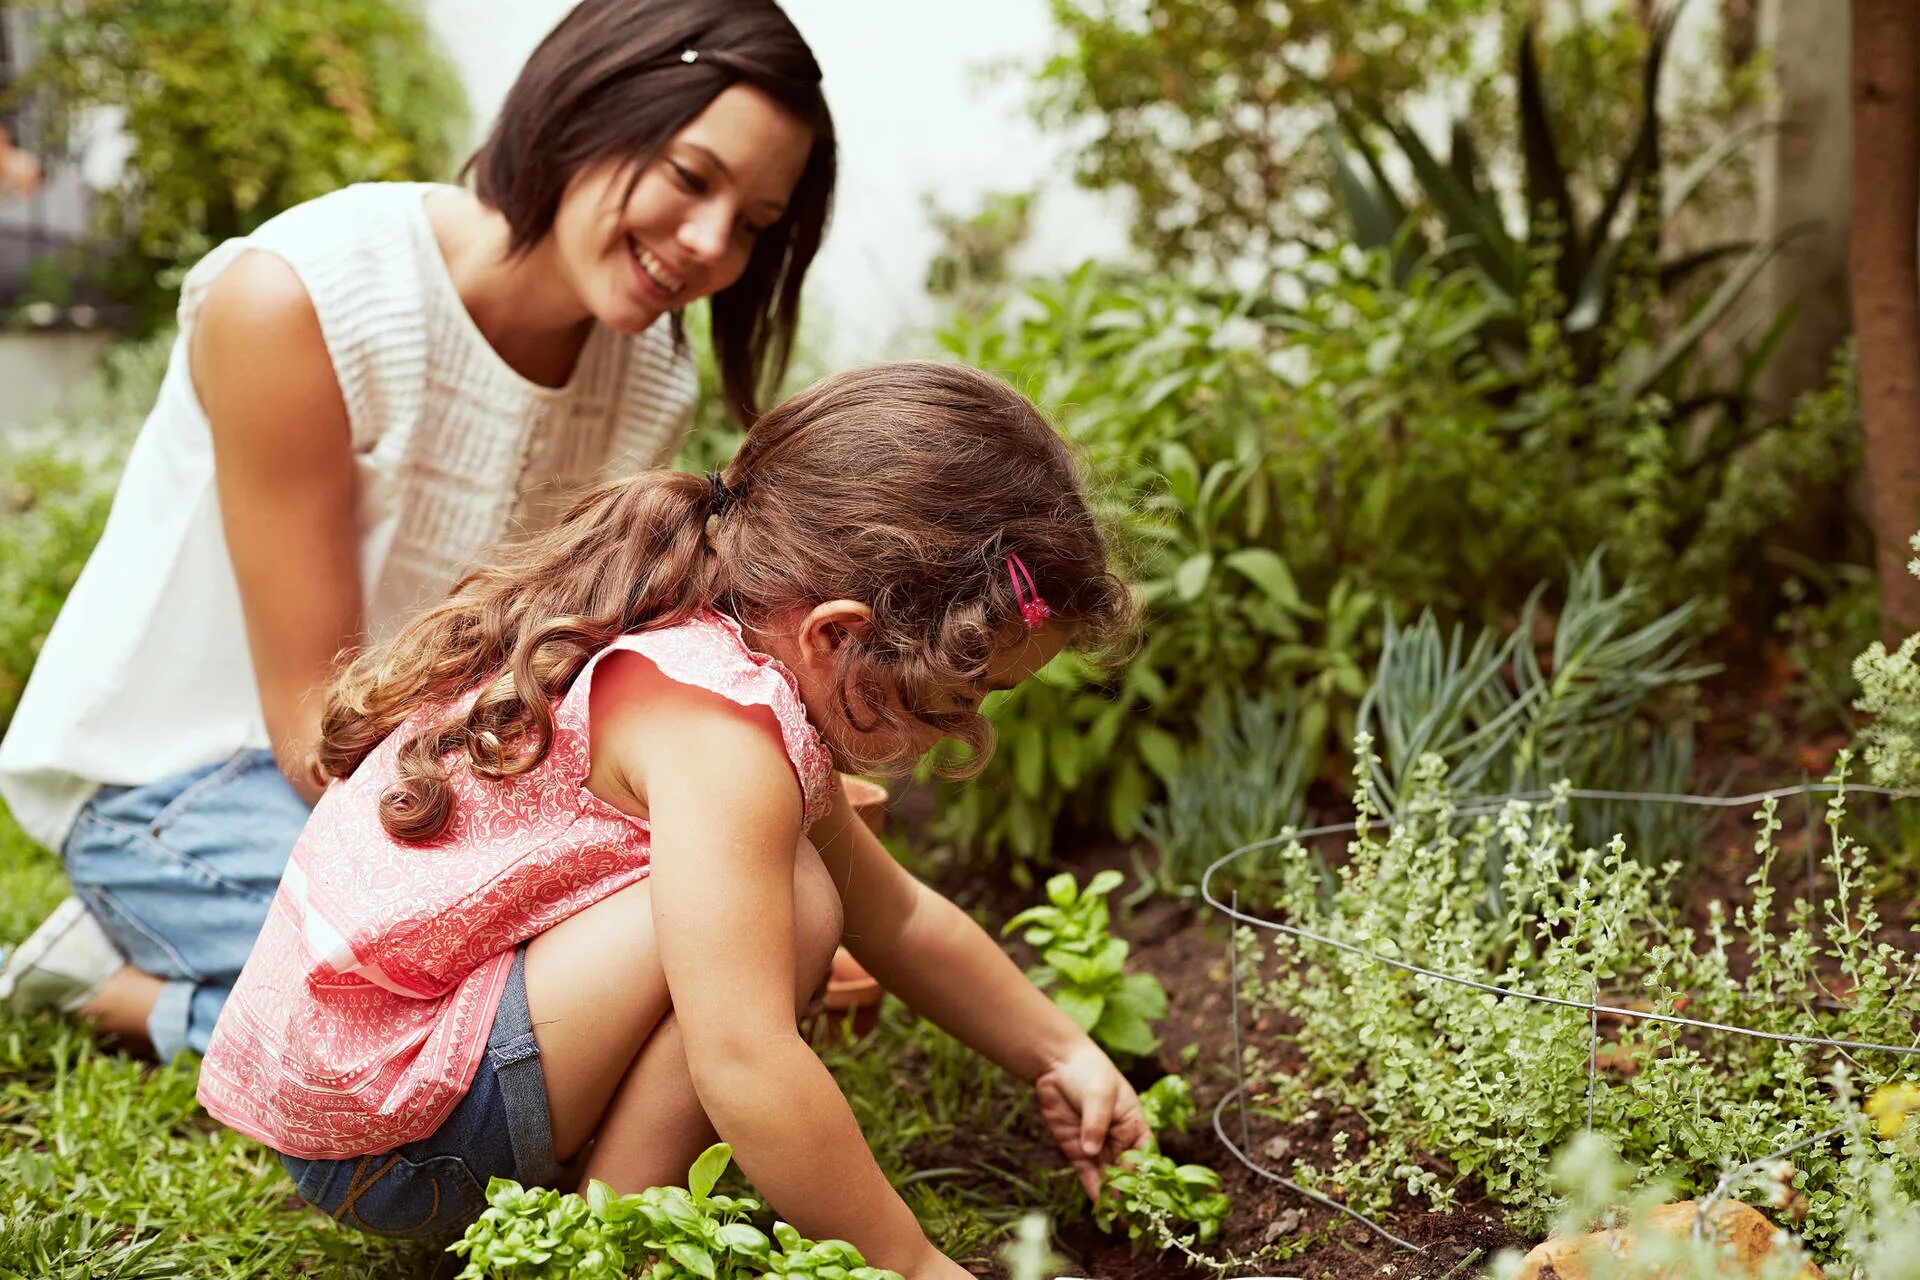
709,651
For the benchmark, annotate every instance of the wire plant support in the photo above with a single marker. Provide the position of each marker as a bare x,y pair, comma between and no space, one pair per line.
1592,1006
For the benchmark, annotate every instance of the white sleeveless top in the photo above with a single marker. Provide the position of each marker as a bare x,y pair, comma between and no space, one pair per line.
146,673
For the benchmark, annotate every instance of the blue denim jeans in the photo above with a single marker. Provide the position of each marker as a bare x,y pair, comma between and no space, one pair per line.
180,873
432,1188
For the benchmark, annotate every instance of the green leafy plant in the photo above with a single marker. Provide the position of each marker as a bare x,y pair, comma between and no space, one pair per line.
1597,263
1167,1104
662,1233
1449,1083
235,110
1084,966
1273,472
1890,693
1508,718
1148,1193
56,483
1247,780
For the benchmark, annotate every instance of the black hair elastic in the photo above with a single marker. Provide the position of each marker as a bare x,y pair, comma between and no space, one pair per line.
723,497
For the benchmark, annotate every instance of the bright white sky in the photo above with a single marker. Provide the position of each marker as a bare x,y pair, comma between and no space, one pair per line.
913,116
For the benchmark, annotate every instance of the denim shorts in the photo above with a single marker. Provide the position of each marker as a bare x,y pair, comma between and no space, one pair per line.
432,1188
180,874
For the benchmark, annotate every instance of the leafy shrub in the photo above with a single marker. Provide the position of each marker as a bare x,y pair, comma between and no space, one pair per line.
1276,464
1084,965
237,109
662,1233
1505,722
56,484
1890,692
1490,1086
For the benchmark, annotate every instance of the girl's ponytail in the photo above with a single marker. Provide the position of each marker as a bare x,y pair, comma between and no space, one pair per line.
630,554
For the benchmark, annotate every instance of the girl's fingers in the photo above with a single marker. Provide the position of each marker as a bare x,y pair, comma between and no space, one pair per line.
1089,1177
1094,1119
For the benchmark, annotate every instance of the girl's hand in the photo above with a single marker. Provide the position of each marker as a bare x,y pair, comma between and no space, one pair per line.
1091,1111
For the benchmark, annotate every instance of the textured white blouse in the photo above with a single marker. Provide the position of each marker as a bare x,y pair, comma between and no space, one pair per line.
146,673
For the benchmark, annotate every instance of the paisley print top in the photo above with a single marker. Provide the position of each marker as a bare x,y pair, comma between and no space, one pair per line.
364,1008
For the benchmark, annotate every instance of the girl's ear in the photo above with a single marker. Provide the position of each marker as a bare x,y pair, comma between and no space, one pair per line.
831,626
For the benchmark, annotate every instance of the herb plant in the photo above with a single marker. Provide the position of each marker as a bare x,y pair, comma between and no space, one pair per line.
1148,1193
1451,1083
1084,965
1167,1104
662,1233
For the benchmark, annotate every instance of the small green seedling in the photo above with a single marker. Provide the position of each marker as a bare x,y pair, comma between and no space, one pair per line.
1167,1104
1148,1193
662,1233
1084,965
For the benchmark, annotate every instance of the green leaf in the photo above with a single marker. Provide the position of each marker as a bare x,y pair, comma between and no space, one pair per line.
1190,579
706,1171
1124,1032
693,1258
1161,750
1141,993
1126,799
743,1237
1182,471
1063,890
1030,759
1084,1007
1102,884
1267,571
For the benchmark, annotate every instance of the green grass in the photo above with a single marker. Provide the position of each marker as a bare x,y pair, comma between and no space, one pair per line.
109,1169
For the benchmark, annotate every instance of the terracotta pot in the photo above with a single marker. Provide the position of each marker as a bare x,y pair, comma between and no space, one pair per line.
869,800
852,994
1748,1243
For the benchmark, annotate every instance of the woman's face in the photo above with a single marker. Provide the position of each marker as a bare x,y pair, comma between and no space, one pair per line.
690,224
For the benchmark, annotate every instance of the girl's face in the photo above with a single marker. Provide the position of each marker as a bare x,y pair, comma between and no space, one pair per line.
812,659
689,226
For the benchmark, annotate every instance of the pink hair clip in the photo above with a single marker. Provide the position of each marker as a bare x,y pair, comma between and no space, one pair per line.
1033,610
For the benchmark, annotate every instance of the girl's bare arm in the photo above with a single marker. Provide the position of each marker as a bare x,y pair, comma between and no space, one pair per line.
725,810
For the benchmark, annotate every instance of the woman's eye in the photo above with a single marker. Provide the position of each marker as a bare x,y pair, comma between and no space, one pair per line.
688,178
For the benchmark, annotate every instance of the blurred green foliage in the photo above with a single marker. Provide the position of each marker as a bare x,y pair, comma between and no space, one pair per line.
234,110
1276,465
56,484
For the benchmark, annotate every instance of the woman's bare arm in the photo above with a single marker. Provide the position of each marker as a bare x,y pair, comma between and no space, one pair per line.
283,465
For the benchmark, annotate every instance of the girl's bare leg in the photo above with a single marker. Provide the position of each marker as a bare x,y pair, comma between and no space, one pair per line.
609,1050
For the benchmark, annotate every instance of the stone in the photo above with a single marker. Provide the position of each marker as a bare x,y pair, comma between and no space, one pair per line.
1281,1227
1745,1235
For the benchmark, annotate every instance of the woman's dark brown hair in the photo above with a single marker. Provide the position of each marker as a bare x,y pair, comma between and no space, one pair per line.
902,486
611,83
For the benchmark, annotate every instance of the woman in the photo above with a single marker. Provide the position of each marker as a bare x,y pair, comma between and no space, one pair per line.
365,393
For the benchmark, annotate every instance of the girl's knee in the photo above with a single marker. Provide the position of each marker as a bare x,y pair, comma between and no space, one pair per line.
817,920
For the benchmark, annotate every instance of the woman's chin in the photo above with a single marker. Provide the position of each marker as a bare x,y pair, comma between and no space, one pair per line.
629,315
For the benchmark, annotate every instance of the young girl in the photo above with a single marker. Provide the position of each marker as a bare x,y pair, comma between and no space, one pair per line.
584,856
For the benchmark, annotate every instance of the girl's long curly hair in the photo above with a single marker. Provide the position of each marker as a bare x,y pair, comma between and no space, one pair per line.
904,486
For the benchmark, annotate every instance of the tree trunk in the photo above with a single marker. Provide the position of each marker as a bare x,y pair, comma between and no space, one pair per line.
1884,266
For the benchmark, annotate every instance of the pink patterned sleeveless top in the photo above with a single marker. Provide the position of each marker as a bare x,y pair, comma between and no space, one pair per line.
361,1015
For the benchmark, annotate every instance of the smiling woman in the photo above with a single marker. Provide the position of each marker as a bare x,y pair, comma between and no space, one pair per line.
365,393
